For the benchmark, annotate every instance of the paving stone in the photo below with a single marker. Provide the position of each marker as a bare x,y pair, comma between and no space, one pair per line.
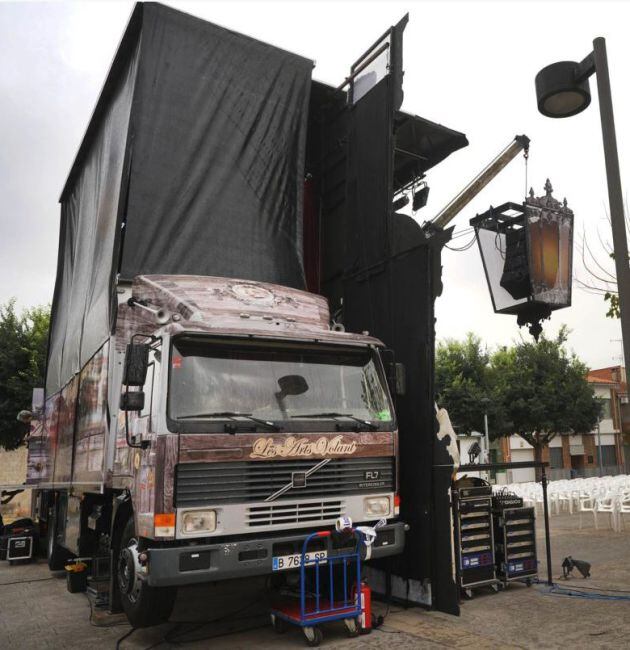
43,615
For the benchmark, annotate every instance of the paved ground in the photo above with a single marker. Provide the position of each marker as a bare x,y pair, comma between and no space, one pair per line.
42,614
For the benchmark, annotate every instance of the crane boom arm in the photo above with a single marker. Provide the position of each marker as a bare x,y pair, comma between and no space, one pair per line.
463,198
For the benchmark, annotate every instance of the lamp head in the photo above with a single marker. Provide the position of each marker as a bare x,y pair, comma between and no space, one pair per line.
561,91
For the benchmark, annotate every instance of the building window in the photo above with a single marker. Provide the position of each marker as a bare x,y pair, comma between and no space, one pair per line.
606,413
609,456
555,457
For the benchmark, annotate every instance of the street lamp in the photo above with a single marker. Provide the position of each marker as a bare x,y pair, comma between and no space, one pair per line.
562,90
526,250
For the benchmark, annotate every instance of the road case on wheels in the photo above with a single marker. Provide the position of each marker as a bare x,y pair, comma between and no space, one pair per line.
18,541
330,588
515,534
474,535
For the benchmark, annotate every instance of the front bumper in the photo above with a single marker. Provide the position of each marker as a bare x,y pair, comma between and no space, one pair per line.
191,564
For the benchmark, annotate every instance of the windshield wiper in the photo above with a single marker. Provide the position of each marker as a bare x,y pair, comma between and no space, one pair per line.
367,423
232,415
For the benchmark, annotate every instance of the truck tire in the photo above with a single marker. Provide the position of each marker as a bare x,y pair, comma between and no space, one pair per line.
57,555
143,605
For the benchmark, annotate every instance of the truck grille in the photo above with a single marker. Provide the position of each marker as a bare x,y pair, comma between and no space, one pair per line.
284,514
200,484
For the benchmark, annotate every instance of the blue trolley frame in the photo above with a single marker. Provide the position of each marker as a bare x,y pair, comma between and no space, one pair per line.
325,609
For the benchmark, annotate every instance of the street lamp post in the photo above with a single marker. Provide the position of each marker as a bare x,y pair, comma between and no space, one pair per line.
599,445
485,401
562,90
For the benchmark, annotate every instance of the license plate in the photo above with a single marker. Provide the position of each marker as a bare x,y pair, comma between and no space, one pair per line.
284,562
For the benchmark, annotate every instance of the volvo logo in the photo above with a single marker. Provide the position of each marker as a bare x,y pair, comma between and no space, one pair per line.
298,480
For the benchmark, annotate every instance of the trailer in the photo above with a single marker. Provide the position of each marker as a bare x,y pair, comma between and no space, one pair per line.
217,386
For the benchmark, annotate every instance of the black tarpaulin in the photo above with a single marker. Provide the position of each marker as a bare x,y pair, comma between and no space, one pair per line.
420,145
218,154
382,274
193,163
81,309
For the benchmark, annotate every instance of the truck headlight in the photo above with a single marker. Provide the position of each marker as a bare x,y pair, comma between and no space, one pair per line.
376,507
199,521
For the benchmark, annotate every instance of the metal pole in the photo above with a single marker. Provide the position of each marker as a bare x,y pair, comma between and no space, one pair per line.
543,477
485,427
487,444
599,447
615,197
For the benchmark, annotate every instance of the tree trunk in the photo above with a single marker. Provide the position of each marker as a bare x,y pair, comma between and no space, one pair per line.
538,449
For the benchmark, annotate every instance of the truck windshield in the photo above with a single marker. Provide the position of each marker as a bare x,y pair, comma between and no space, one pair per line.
219,382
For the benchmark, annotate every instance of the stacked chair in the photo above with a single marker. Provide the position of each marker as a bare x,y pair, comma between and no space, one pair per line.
604,498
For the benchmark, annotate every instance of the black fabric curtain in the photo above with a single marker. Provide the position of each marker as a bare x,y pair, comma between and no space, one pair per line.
193,163
219,131
81,309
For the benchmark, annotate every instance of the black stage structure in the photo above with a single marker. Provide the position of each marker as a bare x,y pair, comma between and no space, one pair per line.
382,274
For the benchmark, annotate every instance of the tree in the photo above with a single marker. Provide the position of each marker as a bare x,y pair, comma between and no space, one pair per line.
23,348
543,391
463,383
536,390
598,260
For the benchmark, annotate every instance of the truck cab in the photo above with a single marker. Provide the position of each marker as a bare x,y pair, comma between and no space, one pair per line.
247,420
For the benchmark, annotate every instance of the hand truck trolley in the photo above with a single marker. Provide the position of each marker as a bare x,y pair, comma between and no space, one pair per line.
317,607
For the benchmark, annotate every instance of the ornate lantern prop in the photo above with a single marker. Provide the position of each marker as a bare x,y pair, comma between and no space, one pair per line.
527,252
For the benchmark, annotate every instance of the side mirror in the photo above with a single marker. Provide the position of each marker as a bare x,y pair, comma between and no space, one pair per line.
292,385
132,401
136,364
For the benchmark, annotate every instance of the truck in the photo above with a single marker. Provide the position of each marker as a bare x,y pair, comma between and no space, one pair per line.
203,411
242,321
243,422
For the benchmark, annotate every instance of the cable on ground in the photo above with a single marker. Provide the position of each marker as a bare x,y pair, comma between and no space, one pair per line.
588,593
126,635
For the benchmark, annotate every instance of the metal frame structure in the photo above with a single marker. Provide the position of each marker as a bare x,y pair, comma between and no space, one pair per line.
330,608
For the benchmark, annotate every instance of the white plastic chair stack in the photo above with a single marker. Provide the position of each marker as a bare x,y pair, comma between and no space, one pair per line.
605,495
623,508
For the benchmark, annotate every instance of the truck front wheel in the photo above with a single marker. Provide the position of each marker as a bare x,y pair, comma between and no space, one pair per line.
143,605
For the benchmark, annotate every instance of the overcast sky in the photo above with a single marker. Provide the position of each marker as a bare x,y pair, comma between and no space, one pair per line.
469,66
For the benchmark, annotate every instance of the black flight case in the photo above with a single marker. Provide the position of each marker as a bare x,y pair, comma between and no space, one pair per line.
515,535
474,540
18,541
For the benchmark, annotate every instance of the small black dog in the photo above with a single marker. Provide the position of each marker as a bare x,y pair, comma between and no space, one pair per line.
568,564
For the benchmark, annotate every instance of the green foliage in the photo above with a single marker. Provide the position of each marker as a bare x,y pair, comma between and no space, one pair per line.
543,390
613,305
463,383
24,340
535,389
